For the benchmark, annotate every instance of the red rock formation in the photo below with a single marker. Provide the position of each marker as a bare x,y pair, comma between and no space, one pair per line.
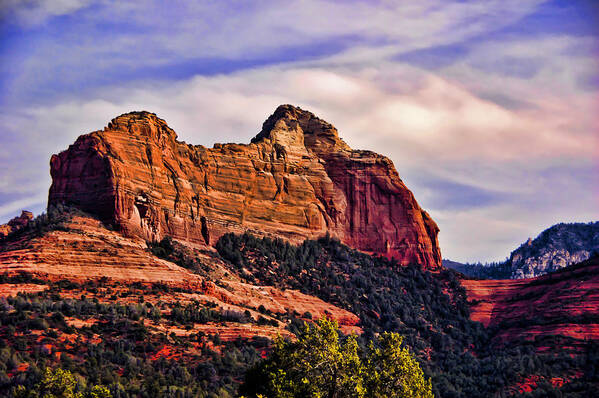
564,303
296,180
16,223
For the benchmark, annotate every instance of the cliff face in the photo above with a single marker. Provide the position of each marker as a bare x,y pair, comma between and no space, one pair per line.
555,248
296,180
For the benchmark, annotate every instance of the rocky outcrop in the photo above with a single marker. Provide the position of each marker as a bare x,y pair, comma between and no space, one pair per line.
555,248
296,179
16,223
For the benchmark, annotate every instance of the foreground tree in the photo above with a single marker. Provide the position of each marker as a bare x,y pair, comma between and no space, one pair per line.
322,364
392,371
60,384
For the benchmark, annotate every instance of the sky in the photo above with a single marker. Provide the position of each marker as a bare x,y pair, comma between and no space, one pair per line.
489,109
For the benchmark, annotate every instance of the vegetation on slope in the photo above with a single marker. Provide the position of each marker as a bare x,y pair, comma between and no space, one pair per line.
114,336
429,310
61,384
56,218
493,270
119,336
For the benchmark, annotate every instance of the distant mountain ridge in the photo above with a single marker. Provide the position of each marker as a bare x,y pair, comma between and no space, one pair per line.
555,248
499,270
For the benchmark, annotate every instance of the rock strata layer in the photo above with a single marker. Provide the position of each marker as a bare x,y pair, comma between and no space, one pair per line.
564,303
83,250
296,180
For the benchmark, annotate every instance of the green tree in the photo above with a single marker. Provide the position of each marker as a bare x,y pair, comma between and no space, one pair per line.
60,384
98,392
323,364
392,371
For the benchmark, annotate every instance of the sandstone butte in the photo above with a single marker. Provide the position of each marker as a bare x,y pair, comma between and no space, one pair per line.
296,180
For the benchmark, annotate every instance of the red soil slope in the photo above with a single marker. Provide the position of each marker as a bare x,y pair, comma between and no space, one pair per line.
564,303
86,250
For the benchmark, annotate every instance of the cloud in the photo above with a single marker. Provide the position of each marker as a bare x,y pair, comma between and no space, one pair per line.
516,71
490,233
34,12
399,102
228,29
107,42
456,196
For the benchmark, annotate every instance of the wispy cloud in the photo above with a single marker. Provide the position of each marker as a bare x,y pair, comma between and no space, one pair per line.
109,41
29,13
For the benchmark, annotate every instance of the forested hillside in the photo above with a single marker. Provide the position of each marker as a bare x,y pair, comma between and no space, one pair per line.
429,309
